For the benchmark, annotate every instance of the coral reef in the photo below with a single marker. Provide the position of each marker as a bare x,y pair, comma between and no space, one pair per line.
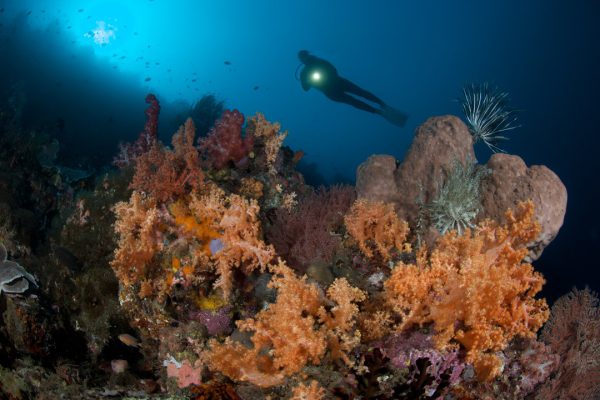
209,270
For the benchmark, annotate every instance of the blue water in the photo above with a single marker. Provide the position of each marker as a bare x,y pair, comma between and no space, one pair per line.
91,63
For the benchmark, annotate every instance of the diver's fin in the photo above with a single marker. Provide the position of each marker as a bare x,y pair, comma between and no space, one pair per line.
393,116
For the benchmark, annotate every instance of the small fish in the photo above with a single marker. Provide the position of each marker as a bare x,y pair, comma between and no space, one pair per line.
256,88
129,340
122,58
29,13
194,80
148,79
297,156
227,62
80,10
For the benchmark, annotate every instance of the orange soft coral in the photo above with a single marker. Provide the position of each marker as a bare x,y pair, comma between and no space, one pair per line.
308,392
292,332
140,237
375,226
235,219
474,289
164,174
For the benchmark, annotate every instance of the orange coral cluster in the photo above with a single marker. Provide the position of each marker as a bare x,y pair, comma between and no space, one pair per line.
236,220
375,226
138,227
474,289
294,331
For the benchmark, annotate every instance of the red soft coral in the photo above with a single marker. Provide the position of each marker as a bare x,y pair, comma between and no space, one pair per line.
224,142
129,152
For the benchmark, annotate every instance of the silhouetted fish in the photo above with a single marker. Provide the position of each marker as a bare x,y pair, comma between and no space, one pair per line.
148,79
227,62
80,10
255,88
129,340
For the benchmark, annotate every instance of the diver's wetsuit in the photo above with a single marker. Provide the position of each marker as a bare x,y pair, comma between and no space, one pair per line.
334,86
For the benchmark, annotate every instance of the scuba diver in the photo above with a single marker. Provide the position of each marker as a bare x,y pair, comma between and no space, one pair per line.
322,75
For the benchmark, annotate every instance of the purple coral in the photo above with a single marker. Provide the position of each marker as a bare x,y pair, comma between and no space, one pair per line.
307,233
217,322
404,351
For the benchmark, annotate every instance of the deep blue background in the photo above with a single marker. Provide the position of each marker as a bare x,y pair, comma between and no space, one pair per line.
414,55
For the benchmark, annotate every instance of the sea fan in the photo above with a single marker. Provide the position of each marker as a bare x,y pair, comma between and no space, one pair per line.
488,114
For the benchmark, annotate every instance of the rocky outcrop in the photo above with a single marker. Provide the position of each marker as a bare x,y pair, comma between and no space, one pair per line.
511,181
437,144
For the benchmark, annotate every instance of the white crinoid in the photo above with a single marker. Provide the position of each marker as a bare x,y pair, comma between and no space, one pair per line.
458,200
488,114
